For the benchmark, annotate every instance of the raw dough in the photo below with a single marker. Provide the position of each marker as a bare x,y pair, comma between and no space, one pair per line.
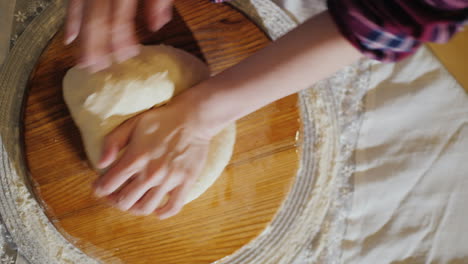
100,102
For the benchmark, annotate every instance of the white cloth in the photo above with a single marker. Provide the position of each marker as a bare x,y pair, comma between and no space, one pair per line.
410,185
411,181
302,9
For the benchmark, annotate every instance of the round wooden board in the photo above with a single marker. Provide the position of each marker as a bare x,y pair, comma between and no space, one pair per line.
230,214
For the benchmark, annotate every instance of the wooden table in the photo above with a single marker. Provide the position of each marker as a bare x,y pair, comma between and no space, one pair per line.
454,56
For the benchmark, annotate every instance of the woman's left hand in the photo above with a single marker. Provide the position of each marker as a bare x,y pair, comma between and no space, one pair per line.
165,152
106,28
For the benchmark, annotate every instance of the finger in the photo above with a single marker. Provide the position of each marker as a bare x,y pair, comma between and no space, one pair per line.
125,167
113,197
74,18
94,36
188,174
156,171
175,203
132,192
115,141
158,13
124,41
155,197
149,202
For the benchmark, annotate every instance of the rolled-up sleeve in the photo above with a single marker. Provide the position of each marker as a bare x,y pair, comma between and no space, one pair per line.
390,30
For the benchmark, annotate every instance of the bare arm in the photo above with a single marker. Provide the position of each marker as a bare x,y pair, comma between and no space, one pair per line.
308,54
304,56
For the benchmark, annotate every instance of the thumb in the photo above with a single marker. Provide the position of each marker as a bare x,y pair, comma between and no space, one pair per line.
158,13
115,141
74,19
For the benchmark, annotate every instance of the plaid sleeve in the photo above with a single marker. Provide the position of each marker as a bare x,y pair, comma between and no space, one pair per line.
390,30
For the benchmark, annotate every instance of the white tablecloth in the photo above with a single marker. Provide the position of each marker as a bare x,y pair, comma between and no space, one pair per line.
410,185
411,181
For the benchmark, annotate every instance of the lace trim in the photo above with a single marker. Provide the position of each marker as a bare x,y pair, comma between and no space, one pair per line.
344,94
310,225
30,229
25,12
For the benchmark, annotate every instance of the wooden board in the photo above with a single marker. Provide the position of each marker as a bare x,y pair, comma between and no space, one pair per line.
454,56
230,214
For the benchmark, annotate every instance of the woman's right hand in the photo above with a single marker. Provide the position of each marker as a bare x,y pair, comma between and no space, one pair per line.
163,152
105,29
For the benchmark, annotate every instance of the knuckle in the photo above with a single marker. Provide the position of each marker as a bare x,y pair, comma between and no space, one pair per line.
124,26
98,21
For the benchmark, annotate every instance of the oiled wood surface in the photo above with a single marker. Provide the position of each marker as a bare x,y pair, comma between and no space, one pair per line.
230,214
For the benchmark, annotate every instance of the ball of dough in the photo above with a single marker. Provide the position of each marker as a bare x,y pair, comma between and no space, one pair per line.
100,102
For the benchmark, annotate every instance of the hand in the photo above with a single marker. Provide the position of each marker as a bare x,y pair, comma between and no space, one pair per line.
165,152
106,28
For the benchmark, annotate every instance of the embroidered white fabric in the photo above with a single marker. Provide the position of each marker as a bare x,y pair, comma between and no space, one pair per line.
331,115
409,200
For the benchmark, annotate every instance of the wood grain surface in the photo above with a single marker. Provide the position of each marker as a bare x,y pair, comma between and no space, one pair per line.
230,214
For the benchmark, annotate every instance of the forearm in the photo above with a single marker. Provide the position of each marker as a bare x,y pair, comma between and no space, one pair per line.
308,54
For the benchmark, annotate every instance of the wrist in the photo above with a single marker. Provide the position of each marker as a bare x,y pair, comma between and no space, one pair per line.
201,111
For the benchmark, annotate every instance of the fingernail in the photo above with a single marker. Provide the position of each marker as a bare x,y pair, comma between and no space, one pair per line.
120,198
155,25
163,217
69,39
161,18
103,163
137,212
98,191
98,194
